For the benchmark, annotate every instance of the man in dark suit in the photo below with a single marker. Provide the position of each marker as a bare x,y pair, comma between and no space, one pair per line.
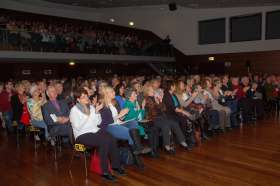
56,115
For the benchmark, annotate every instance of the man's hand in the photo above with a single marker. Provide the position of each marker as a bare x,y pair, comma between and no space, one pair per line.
62,119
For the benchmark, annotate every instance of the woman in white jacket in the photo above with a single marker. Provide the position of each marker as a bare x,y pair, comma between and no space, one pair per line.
85,120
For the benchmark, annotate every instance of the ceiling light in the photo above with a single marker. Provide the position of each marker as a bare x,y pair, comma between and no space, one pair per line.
112,20
72,63
131,23
211,58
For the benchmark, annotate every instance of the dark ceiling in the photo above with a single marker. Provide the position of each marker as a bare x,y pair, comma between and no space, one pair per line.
186,3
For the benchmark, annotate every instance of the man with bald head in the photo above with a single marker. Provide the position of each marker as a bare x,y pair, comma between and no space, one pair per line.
56,115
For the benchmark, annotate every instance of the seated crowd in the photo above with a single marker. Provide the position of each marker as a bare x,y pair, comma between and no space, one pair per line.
47,34
163,110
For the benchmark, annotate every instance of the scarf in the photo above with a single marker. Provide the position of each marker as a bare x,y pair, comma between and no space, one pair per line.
82,108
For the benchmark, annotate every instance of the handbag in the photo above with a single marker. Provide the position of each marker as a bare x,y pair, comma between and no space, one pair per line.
25,117
95,164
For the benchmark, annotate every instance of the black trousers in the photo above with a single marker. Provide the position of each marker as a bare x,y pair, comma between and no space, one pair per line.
249,105
153,135
107,147
168,125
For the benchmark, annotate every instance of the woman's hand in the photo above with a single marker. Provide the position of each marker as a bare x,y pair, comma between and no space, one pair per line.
143,104
98,107
122,113
186,113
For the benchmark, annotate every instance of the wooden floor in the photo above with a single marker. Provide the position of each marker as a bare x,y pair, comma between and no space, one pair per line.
246,156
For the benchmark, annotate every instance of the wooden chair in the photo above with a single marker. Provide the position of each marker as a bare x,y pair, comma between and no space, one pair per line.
79,149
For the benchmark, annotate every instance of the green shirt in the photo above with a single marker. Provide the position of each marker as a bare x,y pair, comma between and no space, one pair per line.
134,113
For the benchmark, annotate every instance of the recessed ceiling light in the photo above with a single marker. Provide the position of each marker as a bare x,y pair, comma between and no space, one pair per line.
72,63
211,58
112,20
131,23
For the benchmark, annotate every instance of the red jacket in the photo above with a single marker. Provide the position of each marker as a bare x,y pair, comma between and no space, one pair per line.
5,102
240,93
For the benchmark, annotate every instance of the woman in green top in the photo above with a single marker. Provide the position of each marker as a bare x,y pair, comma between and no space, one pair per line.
137,113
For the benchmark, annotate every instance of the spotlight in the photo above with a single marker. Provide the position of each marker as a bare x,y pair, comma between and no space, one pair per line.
211,58
72,63
131,23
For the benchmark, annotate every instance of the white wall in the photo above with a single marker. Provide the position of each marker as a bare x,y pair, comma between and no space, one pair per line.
181,25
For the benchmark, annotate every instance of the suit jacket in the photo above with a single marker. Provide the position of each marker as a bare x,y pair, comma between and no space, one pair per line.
49,108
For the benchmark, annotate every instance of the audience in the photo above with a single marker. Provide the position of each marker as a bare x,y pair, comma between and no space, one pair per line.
138,108
43,33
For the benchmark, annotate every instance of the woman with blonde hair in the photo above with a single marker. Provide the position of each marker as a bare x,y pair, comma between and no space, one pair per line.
112,121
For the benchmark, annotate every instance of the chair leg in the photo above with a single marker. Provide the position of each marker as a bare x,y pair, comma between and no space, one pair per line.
54,147
85,157
71,161
59,143
17,136
35,141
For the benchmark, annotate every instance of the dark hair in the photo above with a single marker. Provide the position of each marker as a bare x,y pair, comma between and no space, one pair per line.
117,89
79,92
95,95
168,84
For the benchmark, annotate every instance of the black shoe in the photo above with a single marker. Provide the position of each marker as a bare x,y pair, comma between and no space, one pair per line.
205,138
109,177
154,154
145,150
170,151
228,129
188,148
119,171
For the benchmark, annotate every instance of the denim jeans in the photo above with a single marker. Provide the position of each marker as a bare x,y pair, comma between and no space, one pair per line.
7,116
232,104
122,131
40,124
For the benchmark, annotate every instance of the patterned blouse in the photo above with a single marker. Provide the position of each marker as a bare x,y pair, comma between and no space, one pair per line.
34,108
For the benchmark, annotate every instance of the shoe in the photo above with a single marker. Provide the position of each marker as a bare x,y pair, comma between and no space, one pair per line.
154,154
37,138
119,171
138,148
228,129
138,162
109,177
170,151
52,142
188,148
205,138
